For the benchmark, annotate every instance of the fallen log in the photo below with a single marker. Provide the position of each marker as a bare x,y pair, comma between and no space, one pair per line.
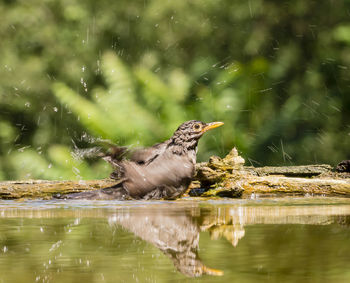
230,178
220,177
46,189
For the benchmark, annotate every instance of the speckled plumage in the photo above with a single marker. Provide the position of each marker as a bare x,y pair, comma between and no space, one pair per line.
162,171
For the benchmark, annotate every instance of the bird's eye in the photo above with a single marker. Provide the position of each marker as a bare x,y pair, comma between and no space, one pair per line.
197,126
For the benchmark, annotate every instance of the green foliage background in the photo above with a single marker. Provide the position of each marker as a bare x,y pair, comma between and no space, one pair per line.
276,72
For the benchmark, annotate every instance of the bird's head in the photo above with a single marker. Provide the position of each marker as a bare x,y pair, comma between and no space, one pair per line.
188,133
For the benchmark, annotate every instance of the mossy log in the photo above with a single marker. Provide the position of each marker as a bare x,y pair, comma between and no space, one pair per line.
226,177
46,189
230,178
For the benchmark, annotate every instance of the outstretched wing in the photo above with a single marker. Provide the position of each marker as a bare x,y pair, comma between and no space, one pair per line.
141,156
145,156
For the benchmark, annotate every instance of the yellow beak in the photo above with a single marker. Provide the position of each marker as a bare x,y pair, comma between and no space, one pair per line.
212,271
212,125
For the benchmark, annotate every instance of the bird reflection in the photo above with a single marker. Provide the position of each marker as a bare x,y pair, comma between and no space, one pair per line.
176,235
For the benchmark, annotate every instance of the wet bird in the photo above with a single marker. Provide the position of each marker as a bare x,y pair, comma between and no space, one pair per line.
343,167
162,171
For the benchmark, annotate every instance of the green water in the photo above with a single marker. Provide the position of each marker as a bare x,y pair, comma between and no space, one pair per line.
270,240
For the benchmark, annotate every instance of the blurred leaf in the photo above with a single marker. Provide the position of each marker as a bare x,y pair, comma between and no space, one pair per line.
90,115
342,33
132,71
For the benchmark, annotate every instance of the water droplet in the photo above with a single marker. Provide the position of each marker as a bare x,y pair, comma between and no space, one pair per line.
76,170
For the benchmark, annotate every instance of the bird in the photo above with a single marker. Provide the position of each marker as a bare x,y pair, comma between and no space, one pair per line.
343,167
162,171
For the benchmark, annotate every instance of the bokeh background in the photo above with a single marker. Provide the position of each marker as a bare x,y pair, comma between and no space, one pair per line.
276,72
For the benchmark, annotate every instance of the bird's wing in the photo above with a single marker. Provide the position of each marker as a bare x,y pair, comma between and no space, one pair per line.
142,156
145,156
114,156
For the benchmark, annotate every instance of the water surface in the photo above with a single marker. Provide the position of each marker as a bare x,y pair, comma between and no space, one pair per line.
269,240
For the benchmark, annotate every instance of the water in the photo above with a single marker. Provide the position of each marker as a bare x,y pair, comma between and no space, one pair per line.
269,240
